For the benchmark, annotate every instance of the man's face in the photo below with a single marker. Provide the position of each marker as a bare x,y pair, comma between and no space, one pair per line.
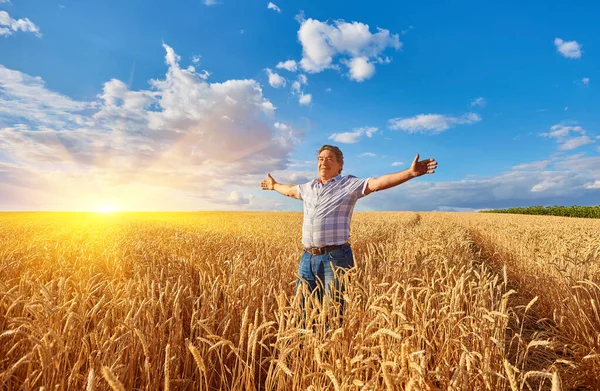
328,164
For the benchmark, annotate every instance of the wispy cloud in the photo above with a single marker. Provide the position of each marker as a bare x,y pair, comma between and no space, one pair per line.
478,102
298,90
273,7
432,123
565,179
396,164
593,185
9,26
561,133
570,49
535,166
354,136
367,154
575,142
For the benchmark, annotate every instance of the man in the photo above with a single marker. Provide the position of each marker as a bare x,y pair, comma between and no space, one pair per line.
328,205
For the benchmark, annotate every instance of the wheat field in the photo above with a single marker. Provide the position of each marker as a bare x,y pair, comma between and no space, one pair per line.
205,301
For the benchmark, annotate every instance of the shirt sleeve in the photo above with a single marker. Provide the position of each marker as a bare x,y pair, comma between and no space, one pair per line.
358,186
300,191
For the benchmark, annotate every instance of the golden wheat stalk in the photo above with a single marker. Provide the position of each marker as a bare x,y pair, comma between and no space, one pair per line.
112,380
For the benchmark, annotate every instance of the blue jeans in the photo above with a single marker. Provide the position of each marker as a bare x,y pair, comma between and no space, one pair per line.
323,274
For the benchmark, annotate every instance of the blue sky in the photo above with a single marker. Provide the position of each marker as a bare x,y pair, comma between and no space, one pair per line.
186,105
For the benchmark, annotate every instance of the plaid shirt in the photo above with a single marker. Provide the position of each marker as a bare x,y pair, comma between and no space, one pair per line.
328,209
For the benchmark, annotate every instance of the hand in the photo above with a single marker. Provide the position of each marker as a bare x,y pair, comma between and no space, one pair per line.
422,167
269,183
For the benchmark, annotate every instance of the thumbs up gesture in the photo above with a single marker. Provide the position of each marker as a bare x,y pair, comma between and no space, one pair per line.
269,183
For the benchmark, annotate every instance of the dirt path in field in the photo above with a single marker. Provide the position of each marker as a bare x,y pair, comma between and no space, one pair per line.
528,323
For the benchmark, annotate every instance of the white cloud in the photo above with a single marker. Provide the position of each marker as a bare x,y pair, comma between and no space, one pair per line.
281,126
327,89
183,141
561,133
25,98
12,26
296,89
478,102
585,81
432,123
369,130
357,47
235,198
289,65
297,85
560,130
275,80
196,59
575,142
354,136
210,2
566,108
367,154
546,184
203,75
570,49
360,68
593,185
396,164
346,137
5,1
563,182
273,7
535,166
300,81
305,99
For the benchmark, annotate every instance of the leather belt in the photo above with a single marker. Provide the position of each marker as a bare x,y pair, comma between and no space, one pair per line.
323,250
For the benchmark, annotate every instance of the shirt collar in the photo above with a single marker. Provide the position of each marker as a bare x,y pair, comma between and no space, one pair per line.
335,179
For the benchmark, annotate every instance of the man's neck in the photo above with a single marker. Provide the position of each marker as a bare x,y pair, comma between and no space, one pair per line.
325,180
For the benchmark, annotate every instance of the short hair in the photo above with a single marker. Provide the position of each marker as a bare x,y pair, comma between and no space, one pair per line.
338,154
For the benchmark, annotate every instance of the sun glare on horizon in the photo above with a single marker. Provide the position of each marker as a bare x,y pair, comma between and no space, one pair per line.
106,209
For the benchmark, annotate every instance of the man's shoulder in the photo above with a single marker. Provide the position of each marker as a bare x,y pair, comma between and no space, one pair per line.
308,185
349,177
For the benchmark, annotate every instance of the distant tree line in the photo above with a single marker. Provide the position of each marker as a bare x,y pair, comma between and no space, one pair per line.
556,210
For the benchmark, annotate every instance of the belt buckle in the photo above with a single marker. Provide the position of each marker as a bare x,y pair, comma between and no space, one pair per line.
316,250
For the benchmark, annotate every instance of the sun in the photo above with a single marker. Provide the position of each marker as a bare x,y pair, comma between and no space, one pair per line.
106,209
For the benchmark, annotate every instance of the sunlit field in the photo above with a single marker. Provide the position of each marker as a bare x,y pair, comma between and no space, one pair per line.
205,301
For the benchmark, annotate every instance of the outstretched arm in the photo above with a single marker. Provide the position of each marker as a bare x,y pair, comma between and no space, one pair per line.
286,190
416,169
